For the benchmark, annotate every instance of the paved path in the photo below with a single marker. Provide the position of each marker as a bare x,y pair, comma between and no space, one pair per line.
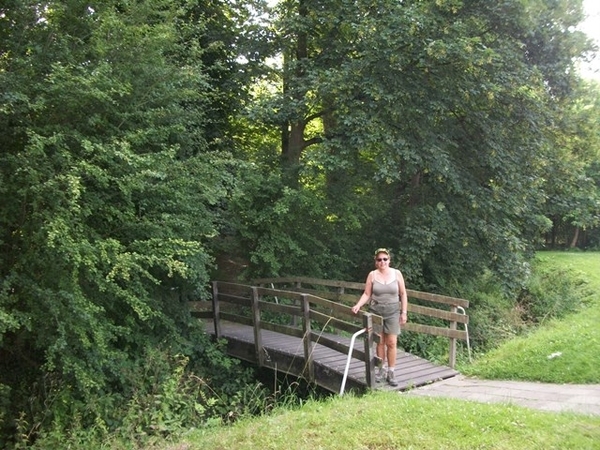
578,398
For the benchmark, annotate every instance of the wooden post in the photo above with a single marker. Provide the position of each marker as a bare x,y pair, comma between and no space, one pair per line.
452,351
309,368
369,357
258,347
216,310
294,318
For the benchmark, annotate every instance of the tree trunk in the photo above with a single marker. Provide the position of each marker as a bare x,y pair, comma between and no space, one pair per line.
293,142
575,238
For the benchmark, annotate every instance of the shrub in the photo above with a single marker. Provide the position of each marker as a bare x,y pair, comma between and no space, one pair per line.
160,393
551,292
495,315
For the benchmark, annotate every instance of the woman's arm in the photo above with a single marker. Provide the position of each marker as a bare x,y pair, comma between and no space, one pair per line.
403,298
366,295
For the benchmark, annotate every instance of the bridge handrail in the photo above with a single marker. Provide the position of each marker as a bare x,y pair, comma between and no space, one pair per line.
453,316
336,303
298,281
306,307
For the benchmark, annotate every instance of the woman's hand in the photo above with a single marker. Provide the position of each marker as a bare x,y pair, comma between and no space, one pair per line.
356,309
403,318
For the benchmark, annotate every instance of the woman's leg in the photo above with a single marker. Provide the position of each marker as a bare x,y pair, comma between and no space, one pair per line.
381,350
391,341
381,369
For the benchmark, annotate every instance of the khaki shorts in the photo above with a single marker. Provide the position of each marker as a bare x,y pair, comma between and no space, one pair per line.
390,312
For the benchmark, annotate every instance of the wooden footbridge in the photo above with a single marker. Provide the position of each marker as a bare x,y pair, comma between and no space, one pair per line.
305,327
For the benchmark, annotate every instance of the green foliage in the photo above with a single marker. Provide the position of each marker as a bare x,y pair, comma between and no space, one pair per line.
111,195
493,316
431,141
281,230
432,348
163,395
126,165
572,181
552,293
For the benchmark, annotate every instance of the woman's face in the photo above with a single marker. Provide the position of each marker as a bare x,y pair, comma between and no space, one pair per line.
382,259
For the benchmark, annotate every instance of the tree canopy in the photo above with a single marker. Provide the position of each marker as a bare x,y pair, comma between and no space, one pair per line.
423,126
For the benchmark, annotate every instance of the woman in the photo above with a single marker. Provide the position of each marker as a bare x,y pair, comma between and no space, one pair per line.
386,294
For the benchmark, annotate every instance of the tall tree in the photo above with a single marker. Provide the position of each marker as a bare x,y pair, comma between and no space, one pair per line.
572,178
431,123
111,177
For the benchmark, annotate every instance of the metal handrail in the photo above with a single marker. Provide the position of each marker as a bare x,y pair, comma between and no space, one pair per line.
359,332
464,313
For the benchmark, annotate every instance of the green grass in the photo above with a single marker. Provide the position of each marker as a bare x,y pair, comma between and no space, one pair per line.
391,421
586,262
562,351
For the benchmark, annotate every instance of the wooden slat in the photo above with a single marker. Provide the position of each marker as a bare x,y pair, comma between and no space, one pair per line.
360,287
236,318
438,313
332,308
377,320
279,308
313,281
438,298
334,296
435,331
337,346
280,293
202,314
199,305
235,288
283,329
329,364
327,320
235,299
321,358
328,304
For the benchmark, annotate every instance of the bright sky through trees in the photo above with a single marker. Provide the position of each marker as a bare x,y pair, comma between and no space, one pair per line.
591,26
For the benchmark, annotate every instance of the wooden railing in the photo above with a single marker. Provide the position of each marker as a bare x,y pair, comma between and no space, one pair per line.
304,315
348,293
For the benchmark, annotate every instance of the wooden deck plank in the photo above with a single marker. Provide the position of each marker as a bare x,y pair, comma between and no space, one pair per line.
286,354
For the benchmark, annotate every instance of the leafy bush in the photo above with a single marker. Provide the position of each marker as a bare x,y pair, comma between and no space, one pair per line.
434,348
551,292
496,316
564,350
493,316
159,394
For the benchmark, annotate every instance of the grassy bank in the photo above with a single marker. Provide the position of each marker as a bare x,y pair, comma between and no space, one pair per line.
561,351
391,421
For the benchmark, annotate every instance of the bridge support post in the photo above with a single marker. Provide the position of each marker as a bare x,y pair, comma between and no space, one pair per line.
309,368
258,346
452,350
369,357
216,310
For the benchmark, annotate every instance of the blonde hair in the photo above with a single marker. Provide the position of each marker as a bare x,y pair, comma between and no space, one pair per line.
381,250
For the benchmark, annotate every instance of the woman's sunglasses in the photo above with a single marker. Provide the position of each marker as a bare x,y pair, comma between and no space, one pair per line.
381,259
